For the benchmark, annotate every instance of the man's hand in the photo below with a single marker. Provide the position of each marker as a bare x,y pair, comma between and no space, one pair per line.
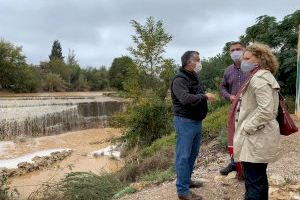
232,98
211,97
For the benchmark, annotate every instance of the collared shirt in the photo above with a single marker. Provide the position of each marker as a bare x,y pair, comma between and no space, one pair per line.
233,79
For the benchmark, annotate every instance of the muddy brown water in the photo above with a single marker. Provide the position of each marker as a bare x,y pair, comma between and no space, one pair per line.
81,142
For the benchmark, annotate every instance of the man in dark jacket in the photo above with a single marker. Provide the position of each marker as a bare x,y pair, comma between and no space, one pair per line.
190,108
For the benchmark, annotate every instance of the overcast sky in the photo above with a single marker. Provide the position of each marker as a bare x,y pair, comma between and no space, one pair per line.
99,30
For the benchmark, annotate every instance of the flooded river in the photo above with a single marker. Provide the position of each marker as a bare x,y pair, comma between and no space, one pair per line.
37,124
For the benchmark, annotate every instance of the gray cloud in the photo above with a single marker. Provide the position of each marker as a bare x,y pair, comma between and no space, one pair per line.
99,31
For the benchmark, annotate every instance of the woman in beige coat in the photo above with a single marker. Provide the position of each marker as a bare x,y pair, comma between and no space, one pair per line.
256,137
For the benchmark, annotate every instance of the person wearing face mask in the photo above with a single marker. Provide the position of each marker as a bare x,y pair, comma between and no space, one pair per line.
252,118
190,108
233,79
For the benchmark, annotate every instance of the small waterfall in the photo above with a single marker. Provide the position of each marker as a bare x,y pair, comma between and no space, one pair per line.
47,124
97,113
47,116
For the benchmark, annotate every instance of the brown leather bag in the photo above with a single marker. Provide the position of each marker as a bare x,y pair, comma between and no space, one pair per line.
286,123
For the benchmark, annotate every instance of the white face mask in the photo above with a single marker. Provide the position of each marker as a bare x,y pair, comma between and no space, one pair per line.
236,55
246,67
198,67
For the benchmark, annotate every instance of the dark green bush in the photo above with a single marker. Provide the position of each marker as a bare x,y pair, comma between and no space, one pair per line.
89,186
150,118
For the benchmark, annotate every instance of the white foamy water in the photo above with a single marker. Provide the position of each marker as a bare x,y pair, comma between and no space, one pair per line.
49,101
37,116
13,162
4,145
108,151
19,113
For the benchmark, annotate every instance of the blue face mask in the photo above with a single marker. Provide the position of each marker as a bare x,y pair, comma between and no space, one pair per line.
236,55
246,67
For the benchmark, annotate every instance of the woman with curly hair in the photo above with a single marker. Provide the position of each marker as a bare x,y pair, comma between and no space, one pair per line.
253,119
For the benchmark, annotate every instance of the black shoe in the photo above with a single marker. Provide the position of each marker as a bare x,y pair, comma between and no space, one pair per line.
225,171
196,184
190,197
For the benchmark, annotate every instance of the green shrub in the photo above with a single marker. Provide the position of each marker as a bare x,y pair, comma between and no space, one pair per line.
4,189
162,160
150,118
86,186
220,102
54,82
97,79
5,193
158,145
160,176
27,80
215,123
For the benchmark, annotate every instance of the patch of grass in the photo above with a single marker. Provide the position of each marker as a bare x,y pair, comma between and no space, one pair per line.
158,145
223,139
159,176
162,160
125,191
220,102
215,123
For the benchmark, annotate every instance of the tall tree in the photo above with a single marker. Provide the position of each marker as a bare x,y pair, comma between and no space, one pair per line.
118,71
169,69
287,52
149,41
74,72
213,69
282,37
11,60
264,30
96,78
56,52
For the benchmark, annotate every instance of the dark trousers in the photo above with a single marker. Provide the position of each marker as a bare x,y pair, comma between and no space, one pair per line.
233,164
256,181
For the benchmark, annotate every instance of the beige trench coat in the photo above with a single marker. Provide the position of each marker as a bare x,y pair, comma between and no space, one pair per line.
256,137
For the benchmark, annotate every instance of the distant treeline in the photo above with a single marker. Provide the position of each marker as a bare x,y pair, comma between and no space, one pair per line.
65,74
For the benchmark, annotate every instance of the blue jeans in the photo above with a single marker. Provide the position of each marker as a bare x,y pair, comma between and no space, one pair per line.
188,137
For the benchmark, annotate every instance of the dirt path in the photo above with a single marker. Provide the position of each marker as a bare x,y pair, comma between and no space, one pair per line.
224,188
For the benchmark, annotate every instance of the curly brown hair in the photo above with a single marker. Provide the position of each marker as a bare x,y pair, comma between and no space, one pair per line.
267,60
